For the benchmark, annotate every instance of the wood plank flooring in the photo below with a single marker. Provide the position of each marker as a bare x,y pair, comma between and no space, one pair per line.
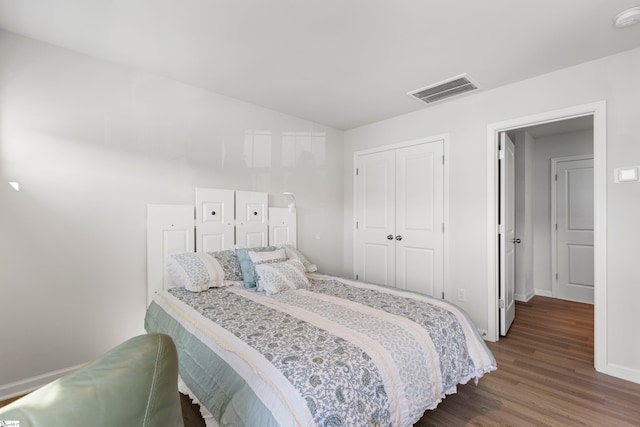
545,377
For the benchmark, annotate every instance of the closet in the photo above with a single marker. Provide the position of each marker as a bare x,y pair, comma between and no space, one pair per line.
399,216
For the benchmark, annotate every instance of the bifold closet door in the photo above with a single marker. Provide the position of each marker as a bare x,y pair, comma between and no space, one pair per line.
400,211
375,228
420,218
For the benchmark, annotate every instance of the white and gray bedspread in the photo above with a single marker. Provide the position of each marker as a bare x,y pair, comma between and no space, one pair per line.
339,353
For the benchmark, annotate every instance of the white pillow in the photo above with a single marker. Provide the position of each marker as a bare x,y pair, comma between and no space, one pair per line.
262,257
265,257
281,276
195,272
293,253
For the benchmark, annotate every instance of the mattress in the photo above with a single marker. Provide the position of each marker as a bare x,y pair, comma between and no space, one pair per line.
339,352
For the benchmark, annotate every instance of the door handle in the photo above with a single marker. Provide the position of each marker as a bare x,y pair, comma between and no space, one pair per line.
516,240
390,237
398,237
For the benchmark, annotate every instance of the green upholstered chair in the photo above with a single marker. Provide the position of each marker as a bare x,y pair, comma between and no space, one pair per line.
135,384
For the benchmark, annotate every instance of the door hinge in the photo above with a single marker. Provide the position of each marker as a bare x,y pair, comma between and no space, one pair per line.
556,276
556,177
502,305
501,155
357,225
443,159
357,171
442,294
500,228
356,277
443,227
556,227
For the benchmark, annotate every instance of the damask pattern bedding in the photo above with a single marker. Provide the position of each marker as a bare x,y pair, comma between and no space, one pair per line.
335,353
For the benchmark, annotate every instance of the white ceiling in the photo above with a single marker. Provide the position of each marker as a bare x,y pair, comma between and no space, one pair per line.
342,63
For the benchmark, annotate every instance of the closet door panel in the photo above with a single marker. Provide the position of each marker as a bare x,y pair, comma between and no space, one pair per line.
416,269
375,213
377,269
419,218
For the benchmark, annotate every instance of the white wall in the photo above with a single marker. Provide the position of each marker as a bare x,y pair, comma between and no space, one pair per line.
613,79
91,144
544,149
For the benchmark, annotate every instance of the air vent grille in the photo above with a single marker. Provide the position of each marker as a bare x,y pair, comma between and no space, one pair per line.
446,89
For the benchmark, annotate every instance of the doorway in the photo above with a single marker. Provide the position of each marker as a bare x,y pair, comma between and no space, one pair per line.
554,210
598,113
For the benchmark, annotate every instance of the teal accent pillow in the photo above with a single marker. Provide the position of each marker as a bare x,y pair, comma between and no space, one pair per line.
246,264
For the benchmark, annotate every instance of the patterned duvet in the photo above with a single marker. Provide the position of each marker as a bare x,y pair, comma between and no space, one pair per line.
339,353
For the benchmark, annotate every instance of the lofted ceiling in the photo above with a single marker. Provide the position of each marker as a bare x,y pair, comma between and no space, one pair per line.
335,62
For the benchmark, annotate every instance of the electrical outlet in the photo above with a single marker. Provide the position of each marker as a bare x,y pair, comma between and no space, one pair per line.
462,295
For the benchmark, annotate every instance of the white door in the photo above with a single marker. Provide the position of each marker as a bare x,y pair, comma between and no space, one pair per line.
574,237
376,224
282,227
214,219
252,226
420,218
400,212
507,233
169,231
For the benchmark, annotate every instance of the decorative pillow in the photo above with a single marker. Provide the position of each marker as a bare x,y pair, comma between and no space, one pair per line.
293,253
270,257
246,265
262,257
281,276
229,262
195,272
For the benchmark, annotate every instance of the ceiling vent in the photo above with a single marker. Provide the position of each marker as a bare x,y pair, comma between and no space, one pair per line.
446,89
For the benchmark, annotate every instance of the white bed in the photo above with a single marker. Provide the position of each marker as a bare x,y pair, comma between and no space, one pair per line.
320,351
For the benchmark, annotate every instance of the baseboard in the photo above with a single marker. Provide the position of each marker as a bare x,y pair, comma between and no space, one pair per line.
543,293
624,373
524,298
7,391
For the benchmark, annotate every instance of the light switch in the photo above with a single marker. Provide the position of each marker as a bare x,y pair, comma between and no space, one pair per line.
626,174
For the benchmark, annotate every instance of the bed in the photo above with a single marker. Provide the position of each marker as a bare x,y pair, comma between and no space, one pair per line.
306,349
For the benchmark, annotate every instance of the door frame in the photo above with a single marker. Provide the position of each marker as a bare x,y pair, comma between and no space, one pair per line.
598,111
554,215
445,149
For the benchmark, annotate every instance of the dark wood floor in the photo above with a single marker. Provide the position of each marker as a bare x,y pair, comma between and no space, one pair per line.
545,377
